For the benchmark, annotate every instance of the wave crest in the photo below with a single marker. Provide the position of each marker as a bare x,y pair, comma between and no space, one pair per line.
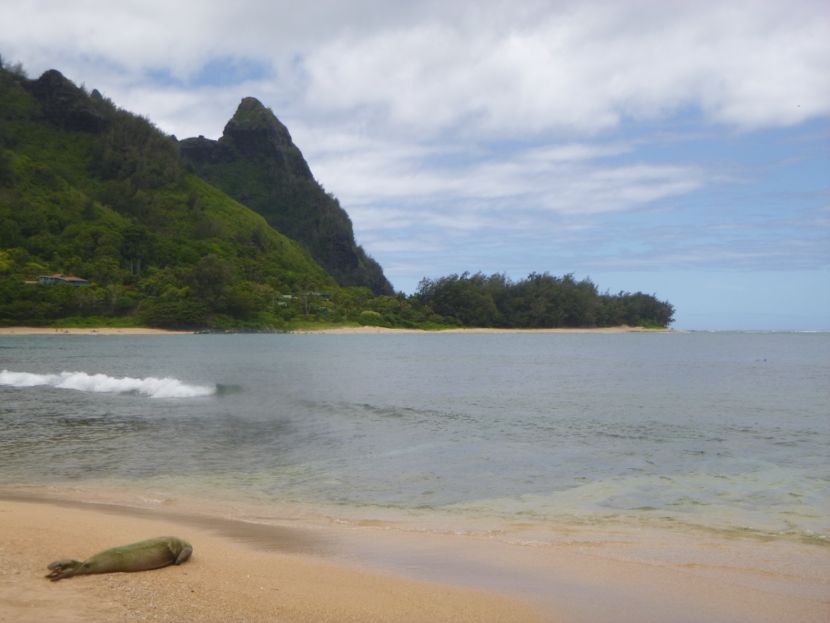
151,386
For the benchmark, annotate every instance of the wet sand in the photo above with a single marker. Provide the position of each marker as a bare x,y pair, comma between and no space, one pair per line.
282,568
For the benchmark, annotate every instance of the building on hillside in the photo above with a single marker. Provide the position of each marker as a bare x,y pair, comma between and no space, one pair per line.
58,279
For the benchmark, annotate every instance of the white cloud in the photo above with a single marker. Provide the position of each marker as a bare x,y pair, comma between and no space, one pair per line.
583,68
500,68
569,179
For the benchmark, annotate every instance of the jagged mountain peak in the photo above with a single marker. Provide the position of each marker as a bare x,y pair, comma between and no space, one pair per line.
252,114
255,132
256,162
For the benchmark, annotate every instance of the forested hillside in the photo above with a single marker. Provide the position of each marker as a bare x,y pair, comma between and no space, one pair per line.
89,190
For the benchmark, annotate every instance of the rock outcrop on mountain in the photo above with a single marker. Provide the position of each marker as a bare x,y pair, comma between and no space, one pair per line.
65,104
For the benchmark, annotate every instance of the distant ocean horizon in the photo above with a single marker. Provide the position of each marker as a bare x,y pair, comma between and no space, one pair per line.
724,431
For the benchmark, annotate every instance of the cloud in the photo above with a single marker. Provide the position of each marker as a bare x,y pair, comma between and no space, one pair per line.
499,68
571,178
583,68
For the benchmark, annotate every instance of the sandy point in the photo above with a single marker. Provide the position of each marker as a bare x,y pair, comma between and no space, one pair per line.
89,331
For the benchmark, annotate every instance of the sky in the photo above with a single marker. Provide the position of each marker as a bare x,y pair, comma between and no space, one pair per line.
679,148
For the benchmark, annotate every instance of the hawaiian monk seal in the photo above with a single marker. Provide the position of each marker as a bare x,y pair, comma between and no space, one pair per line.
141,556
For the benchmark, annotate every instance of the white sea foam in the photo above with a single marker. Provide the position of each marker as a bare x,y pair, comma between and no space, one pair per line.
150,386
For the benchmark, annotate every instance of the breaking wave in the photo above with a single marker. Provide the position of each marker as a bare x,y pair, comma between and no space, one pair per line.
81,381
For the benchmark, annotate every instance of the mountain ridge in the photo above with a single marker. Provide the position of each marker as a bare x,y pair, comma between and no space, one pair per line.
256,162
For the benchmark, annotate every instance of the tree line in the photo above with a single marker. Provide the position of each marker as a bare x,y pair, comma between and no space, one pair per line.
538,301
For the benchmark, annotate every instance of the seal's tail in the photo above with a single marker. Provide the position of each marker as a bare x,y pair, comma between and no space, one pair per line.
63,569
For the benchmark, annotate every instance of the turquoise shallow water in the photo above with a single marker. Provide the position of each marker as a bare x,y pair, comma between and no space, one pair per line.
725,430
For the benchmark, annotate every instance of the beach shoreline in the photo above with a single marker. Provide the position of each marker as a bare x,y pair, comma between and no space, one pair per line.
475,330
226,580
309,571
89,331
346,330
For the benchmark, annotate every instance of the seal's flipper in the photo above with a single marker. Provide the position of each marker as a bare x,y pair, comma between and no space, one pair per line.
183,555
63,569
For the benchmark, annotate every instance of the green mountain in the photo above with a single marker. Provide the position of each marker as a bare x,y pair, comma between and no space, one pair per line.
256,162
89,190
106,220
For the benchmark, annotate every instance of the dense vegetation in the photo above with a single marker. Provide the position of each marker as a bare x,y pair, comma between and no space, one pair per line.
91,190
539,301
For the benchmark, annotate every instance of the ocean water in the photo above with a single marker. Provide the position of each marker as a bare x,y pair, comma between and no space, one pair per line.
721,431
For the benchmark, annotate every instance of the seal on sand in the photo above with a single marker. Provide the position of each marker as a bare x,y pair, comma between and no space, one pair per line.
141,556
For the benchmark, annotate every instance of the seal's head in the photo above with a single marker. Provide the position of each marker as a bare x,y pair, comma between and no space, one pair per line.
63,569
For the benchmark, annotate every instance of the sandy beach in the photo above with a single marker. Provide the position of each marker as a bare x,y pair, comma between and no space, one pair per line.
243,571
226,580
331,331
385,330
88,331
